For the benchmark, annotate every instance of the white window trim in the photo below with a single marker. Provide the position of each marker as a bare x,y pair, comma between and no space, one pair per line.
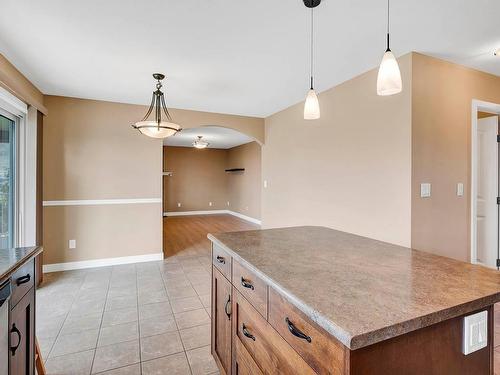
25,182
11,104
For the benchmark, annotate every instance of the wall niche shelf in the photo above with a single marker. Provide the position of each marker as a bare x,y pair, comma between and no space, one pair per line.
232,170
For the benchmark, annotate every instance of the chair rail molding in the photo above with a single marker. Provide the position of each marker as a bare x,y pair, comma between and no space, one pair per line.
95,202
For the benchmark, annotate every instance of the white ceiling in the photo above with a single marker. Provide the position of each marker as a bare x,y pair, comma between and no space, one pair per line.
217,137
231,56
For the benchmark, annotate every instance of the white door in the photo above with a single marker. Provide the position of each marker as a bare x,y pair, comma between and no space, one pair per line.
487,191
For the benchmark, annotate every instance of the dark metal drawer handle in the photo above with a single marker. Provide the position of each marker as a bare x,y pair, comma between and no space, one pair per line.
23,279
16,331
228,313
246,283
247,333
221,259
296,332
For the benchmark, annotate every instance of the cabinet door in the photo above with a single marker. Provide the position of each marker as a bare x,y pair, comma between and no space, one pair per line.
22,335
244,364
221,321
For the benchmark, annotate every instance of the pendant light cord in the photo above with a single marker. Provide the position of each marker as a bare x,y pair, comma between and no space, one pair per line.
312,45
388,25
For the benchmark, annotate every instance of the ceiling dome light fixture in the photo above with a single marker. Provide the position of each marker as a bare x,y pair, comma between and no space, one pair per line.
311,105
389,76
157,128
199,143
497,52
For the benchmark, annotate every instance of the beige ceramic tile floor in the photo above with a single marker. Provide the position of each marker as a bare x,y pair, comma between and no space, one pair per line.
143,318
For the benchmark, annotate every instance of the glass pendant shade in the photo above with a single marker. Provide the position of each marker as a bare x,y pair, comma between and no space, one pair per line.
311,106
389,76
151,128
199,143
157,128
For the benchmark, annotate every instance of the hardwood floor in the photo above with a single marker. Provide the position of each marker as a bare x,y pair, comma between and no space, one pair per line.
187,235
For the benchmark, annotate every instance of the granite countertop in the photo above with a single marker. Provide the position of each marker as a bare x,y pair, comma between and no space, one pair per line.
12,259
360,290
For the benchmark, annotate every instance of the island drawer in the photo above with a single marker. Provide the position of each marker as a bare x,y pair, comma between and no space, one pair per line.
264,344
253,288
244,363
309,340
222,260
22,281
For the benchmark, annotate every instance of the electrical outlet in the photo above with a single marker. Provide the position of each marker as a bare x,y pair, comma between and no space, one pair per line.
210,203
475,330
425,190
178,204
72,244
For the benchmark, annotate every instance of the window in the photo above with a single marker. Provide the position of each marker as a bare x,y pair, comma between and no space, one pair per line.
7,180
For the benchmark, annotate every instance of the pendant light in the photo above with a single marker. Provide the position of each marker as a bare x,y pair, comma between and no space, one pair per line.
157,128
311,105
199,143
389,76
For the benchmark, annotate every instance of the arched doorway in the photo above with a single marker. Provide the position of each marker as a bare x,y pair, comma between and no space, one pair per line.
213,189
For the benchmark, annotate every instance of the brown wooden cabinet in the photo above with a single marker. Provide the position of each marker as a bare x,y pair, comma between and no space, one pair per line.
243,362
221,320
22,335
258,330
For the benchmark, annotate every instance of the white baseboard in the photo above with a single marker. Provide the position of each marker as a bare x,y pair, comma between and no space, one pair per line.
245,217
56,267
214,212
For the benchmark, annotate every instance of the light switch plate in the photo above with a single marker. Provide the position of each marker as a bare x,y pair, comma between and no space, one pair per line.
460,189
425,190
475,335
72,244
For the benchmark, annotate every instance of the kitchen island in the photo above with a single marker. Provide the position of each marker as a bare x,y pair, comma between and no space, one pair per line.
316,300
17,310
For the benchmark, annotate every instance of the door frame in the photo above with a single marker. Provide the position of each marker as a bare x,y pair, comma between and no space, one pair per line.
477,106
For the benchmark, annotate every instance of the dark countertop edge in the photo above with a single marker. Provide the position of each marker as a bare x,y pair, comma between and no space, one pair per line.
371,337
326,324
36,251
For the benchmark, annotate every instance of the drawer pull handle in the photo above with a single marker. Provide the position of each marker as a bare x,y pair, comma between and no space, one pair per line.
247,333
23,279
246,283
228,313
296,332
221,259
16,331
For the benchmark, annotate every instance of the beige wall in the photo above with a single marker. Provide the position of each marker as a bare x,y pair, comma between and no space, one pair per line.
14,81
441,136
198,178
251,126
101,231
92,153
351,169
244,188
